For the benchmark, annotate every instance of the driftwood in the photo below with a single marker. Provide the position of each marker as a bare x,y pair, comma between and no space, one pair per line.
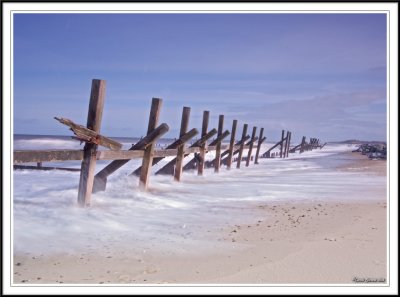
84,134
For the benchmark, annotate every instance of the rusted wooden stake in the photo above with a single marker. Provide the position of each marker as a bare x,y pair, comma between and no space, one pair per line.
231,144
148,152
206,117
218,146
260,141
253,136
88,165
241,146
181,148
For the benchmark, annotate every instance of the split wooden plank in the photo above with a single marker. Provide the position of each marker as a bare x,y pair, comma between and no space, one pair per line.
231,145
88,165
261,140
180,155
87,135
253,137
241,146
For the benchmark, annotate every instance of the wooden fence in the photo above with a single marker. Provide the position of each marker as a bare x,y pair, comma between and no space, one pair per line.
144,149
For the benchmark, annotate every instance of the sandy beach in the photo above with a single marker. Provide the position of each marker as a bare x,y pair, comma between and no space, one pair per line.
317,242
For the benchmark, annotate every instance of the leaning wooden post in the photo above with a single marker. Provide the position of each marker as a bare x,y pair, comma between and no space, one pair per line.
241,146
218,146
253,136
231,145
88,165
282,138
288,144
148,152
181,149
206,117
260,141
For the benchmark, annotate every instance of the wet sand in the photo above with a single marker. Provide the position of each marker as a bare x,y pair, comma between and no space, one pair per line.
315,242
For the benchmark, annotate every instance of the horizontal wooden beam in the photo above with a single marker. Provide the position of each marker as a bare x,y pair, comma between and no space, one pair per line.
35,156
45,168
28,156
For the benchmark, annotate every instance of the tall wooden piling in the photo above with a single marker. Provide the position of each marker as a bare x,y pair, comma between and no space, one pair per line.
260,141
241,146
206,117
282,139
231,145
181,148
148,152
218,145
253,136
88,165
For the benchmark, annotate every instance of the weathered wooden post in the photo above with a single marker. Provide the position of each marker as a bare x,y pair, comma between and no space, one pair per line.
181,141
206,117
241,146
282,138
231,144
260,141
253,136
288,144
181,148
148,152
88,165
303,140
218,146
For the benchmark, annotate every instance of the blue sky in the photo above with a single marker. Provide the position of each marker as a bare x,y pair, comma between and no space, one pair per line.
318,75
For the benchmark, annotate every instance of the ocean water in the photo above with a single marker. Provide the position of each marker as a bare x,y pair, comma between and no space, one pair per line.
171,215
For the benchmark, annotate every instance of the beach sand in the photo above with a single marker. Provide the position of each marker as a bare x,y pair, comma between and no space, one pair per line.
316,242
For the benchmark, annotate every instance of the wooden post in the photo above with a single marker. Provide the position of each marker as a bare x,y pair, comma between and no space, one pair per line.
241,146
181,148
282,138
88,165
206,117
231,144
260,141
148,152
288,144
303,140
181,141
168,168
253,136
218,146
